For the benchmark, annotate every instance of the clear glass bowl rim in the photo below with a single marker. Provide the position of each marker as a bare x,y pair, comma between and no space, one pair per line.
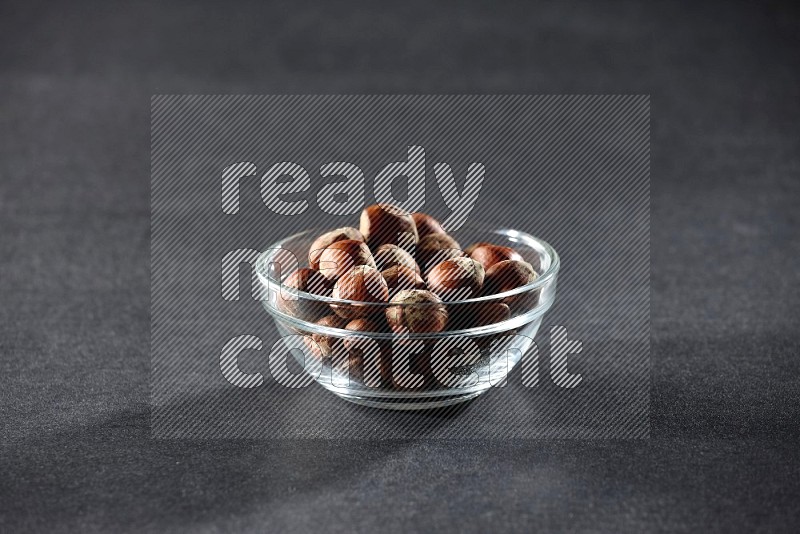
515,322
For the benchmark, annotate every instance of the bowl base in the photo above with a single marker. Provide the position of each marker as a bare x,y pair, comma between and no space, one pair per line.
419,403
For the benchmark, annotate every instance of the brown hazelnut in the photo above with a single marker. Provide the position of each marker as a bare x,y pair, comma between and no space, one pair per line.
488,255
436,248
328,238
507,275
360,325
341,256
399,278
487,313
456,279
305,308
363,284
389,255
461,315
469,249
411,364
320,345
416,310
361,351
384,223
426,225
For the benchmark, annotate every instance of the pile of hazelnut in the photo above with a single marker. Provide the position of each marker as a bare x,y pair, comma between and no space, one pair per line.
402,273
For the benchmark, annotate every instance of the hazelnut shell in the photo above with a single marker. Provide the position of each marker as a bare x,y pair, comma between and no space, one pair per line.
509,275
436,248
399,278
341,256
456,279
304,308
487,313
328,238
356,347
426,225
488,255
389,255
320,345
416,310
363,284
383,223
468,251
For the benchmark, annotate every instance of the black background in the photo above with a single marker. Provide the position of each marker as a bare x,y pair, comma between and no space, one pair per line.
75,89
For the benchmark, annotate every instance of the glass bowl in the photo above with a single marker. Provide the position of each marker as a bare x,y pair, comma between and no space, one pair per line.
410,371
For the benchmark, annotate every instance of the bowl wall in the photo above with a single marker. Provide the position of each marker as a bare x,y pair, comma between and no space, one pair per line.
412,370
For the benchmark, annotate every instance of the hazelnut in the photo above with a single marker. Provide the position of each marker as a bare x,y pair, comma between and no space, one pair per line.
363,284
507,275
456,279
416,310
320,345
304,308
384,223
361,351
461,315
389,255
436,248
415,370
490,313
328,238
360,325
426,224
488,255
341,256
400,277
472,247
376,323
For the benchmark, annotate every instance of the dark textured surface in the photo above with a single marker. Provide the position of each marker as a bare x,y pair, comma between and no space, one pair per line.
75,86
